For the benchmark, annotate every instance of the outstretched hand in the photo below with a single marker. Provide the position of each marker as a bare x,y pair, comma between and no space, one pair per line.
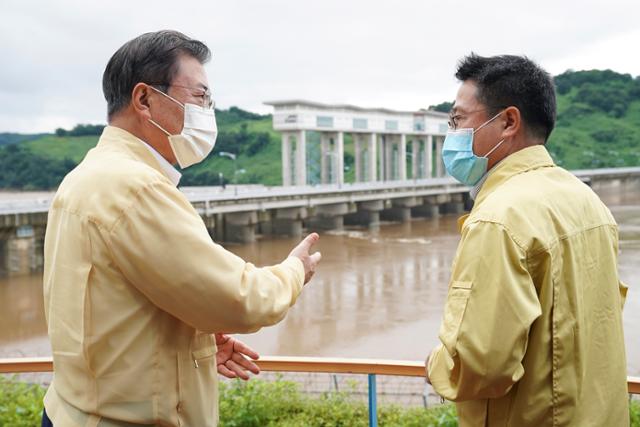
234,358
310,262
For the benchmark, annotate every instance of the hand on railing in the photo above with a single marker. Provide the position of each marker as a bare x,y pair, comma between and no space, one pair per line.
234,358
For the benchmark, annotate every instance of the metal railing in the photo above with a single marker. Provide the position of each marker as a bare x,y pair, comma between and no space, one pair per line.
369,367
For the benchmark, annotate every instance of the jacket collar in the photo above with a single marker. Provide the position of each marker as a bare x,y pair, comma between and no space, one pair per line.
522,161
117,138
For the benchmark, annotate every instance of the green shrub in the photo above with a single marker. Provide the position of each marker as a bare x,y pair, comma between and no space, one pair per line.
280,403
20,403
260,403
634,413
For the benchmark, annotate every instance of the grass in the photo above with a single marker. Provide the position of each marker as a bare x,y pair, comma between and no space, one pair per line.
259,403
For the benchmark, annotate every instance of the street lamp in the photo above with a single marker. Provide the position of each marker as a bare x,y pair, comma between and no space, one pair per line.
235,169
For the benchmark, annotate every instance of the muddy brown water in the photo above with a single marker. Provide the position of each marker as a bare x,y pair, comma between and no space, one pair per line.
378,293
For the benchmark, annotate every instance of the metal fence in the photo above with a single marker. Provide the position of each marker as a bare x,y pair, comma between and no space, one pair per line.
371,368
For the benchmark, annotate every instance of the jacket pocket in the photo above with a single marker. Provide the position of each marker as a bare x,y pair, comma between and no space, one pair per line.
202,355
457,299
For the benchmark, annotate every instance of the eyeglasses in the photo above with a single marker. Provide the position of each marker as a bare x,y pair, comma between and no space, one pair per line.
453,120
205,94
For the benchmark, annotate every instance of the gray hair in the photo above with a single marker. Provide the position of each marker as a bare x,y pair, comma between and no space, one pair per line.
150,58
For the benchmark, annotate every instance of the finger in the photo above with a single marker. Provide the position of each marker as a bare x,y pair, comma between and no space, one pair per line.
222,338
224,371
241,347
315,258
245,363
308,241
237,369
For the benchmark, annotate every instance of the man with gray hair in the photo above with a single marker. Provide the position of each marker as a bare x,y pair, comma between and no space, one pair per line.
138,298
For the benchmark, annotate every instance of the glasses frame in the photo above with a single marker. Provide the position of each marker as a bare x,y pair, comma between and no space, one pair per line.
207,96
453,120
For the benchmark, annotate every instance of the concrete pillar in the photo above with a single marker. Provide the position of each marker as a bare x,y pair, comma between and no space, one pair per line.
381,157
324,158
428,157
367,214
339,158
301,158
426,210
4,256
455,205
286,227
373,161
416,158
266,228
388,157
357,148
286,159
362,217
329,217
288,221
240,227
210,222
17,252
396,214
400,210
439,164
37,256
429,208
37,253
402,158
441,199
265,222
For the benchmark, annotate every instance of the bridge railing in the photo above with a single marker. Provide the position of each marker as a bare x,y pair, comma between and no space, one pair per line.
369,367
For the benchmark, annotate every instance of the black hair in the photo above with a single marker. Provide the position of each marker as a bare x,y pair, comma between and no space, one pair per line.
509,80
150,58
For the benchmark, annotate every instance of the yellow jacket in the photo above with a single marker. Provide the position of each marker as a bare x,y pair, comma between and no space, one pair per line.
134,286
532,328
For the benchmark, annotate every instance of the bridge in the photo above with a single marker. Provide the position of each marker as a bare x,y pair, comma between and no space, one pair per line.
240,214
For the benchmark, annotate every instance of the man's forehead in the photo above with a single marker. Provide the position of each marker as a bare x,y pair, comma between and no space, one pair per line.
191,73
466,99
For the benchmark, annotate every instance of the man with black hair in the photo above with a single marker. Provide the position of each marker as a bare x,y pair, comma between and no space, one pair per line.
532,329
138,298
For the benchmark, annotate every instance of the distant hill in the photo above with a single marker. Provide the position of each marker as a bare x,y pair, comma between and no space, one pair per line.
598,126
598,120
12,138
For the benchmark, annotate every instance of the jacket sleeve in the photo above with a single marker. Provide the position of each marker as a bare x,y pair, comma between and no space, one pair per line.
490,307
162,247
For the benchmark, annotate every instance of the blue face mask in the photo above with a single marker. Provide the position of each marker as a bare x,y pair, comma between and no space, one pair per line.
459,159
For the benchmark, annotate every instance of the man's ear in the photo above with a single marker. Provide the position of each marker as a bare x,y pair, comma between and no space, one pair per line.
140,100
512,122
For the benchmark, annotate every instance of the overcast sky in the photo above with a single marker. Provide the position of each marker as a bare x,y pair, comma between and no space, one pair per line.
396,54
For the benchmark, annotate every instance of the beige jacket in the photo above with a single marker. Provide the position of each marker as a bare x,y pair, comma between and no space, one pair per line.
134,287
532,330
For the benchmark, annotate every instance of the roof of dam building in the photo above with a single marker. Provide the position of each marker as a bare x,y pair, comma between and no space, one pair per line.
289,103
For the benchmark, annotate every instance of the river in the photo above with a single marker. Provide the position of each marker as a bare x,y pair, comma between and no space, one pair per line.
378,294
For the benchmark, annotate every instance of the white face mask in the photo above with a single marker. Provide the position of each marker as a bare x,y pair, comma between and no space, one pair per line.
198,136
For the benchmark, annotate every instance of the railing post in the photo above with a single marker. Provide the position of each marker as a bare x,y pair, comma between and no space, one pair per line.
373,401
